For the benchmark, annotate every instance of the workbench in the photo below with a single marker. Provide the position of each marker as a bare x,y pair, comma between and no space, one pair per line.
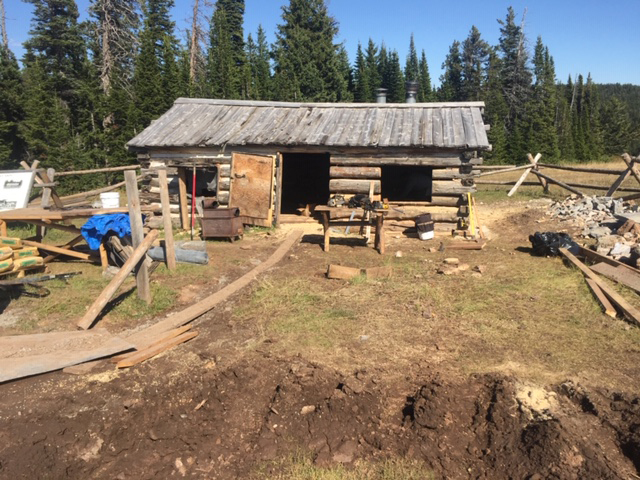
375,219
50,218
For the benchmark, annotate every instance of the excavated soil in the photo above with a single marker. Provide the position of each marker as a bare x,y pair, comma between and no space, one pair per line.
207,425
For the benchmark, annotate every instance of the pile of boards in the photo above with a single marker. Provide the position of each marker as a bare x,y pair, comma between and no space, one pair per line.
16,257
595,267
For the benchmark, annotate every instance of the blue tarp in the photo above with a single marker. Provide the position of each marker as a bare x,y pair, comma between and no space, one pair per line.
100,225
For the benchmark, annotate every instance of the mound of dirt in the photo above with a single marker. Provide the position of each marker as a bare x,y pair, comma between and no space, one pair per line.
226,424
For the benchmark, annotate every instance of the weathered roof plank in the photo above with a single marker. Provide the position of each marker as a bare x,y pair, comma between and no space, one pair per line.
197,122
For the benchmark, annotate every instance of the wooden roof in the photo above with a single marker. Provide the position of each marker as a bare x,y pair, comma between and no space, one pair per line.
192,122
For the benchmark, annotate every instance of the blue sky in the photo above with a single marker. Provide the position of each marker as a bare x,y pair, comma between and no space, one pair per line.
583,36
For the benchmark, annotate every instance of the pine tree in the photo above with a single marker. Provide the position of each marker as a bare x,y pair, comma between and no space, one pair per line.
373,72
11,110
616,125
226,56
344,68
412,68
156,80
262,67
590,118
393,79
451,80
425,93
475,55
59,94
516,82
307,61
542,135
363,89
577,125
496,113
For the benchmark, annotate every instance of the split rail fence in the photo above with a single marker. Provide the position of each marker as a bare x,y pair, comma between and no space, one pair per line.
534,167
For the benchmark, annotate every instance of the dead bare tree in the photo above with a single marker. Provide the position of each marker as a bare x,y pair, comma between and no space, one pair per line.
117,23
198,36
3,25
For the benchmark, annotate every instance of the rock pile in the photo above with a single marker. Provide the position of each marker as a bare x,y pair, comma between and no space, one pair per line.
599,219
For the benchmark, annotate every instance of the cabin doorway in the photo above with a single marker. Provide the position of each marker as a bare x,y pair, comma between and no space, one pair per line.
305,182
401,183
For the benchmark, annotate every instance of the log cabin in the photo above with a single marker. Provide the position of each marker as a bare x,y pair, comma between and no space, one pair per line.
272,158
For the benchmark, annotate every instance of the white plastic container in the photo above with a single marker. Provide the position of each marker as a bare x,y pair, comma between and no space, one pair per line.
110,200
426,235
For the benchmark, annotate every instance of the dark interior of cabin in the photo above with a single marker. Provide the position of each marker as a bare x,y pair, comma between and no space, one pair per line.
407,183
305,180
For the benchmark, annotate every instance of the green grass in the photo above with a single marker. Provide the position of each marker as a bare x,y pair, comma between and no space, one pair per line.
300,467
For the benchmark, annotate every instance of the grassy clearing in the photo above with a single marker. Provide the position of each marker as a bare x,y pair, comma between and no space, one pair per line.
528,316
489,193
300,467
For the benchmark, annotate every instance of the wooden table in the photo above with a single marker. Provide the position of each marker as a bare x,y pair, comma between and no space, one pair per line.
376,220
49,218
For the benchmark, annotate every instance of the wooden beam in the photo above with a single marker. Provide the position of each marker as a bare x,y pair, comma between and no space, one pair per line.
536,163
353,186
506,170
59,250
596,257
136,257
182,187
68,245
137,234
355,172
631,165
169,247
602,171
99,170
147,353
533,162
602,298
559,183
623,176
629,311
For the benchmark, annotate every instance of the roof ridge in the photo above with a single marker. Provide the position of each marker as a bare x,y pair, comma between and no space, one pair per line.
261,103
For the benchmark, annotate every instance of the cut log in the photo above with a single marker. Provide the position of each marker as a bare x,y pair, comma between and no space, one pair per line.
137,235
137,256
147,353
353,186
355,172
338,272
559,183
533,162
170,251
630,312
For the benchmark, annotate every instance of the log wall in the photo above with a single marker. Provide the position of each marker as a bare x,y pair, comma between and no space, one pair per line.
350,173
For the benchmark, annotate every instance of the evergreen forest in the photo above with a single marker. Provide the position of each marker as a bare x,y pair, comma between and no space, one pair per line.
84,88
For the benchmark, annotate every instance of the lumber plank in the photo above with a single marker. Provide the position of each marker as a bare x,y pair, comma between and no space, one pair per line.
137,256
19,367
147,353
596,257
630,312
137,234
203,306
61,251
182,187
153,342
619,275
67,245
602,298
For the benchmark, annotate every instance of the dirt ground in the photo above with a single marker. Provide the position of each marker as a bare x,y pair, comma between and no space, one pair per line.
509,373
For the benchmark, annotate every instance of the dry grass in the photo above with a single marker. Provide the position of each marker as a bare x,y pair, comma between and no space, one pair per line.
496,192
300,467
528,316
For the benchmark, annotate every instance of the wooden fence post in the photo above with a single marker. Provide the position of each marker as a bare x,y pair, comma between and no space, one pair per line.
137,234
169,248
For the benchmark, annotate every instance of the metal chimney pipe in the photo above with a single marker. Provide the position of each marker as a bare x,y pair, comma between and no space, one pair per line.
412,91
381,95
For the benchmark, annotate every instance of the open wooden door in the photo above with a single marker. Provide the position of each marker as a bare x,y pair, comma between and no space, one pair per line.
251,188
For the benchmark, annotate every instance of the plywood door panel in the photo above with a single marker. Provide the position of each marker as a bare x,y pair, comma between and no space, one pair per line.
251,188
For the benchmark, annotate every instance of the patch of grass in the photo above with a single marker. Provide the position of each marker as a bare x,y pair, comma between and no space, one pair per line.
300,467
